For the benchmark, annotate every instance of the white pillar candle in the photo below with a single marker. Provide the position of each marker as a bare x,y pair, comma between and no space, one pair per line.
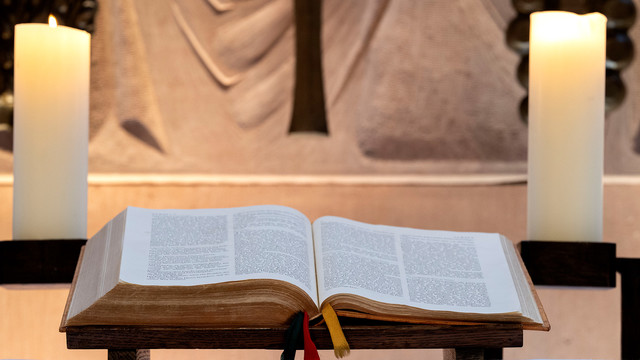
51,131
566,126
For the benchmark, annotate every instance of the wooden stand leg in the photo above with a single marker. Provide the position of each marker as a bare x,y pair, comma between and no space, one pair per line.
472,354
129,354
464,354
493,354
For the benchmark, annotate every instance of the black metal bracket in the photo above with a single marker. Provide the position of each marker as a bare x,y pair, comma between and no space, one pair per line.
568,263
590,264
629,270
39,261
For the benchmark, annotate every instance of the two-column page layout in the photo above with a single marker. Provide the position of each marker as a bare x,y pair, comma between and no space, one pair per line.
259,265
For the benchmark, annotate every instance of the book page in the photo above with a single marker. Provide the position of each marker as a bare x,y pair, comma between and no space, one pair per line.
434,270
205,246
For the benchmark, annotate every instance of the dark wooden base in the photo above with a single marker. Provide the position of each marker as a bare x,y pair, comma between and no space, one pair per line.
366,336
570,263
461,342
38,261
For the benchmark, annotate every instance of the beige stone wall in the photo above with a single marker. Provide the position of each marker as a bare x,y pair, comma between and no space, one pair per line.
411,86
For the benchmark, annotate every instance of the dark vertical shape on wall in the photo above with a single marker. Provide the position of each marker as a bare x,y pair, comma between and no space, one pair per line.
308,98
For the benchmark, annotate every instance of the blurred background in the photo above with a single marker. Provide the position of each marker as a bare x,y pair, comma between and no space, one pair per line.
402,112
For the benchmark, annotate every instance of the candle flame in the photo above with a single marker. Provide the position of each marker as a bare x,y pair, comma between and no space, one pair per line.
52,21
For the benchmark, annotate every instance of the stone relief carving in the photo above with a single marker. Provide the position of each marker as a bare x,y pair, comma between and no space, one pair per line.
410,86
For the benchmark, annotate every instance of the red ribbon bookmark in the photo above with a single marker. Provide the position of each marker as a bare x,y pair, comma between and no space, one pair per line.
310,350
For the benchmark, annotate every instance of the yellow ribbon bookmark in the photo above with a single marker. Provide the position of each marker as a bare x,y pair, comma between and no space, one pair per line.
340,345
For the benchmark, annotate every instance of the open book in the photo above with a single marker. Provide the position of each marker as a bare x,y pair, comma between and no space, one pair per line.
259,265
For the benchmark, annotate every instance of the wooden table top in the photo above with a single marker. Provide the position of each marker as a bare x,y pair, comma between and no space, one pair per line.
360,334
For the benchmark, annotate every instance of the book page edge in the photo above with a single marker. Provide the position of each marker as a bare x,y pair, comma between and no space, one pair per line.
65,314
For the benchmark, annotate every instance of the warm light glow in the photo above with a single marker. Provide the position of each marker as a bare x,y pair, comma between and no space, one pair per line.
52,21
